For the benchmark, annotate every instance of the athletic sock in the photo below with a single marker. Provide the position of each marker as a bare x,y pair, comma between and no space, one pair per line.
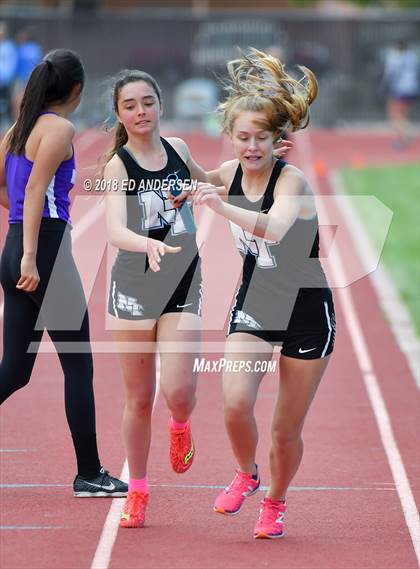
138,485
177,426
86,449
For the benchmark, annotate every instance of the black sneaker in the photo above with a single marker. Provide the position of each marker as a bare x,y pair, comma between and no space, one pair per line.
101,486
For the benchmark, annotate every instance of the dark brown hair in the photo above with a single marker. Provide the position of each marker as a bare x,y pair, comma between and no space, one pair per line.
51,81
123,78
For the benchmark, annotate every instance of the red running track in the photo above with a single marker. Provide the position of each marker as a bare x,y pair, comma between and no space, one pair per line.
344,509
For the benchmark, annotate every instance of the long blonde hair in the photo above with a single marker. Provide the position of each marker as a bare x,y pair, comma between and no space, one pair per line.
258,82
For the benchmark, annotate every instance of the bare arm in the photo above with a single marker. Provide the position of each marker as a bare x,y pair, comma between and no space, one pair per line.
116,219
213,177
272,225
53,148
4,200
116,212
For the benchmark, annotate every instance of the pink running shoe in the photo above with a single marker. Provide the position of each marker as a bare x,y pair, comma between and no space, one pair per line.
270,524
134,512
230,501
182,449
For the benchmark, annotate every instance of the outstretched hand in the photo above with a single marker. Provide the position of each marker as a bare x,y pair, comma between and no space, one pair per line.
156,250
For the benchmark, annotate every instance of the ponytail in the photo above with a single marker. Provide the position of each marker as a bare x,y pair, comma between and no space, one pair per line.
41,79
120,138
50,82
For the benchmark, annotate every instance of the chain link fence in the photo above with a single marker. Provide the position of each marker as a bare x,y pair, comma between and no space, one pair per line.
346,53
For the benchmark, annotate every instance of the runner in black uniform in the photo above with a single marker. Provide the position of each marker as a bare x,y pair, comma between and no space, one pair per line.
155,286
136,292
284,296
298,310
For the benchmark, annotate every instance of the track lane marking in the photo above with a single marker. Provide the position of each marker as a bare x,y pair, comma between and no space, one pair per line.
37,528
124,474
390,300
373,389
102,556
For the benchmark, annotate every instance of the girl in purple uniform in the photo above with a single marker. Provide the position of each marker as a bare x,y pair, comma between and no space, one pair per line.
37,172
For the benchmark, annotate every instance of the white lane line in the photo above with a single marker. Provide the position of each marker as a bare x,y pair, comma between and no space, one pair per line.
29,485
390,301
109,533
14,528
385,487
373,389
265,488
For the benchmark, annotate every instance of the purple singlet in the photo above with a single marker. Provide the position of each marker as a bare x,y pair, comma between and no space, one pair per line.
57,200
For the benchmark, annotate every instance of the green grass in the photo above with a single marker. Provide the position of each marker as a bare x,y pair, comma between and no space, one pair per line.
398,187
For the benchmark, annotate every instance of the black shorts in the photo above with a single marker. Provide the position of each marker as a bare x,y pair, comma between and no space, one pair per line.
310,333
145,297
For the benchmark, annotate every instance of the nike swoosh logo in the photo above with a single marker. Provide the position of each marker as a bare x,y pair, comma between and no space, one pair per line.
110,486
184,305
304,351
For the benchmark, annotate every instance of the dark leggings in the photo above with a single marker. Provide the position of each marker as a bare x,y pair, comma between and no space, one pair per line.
58,303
